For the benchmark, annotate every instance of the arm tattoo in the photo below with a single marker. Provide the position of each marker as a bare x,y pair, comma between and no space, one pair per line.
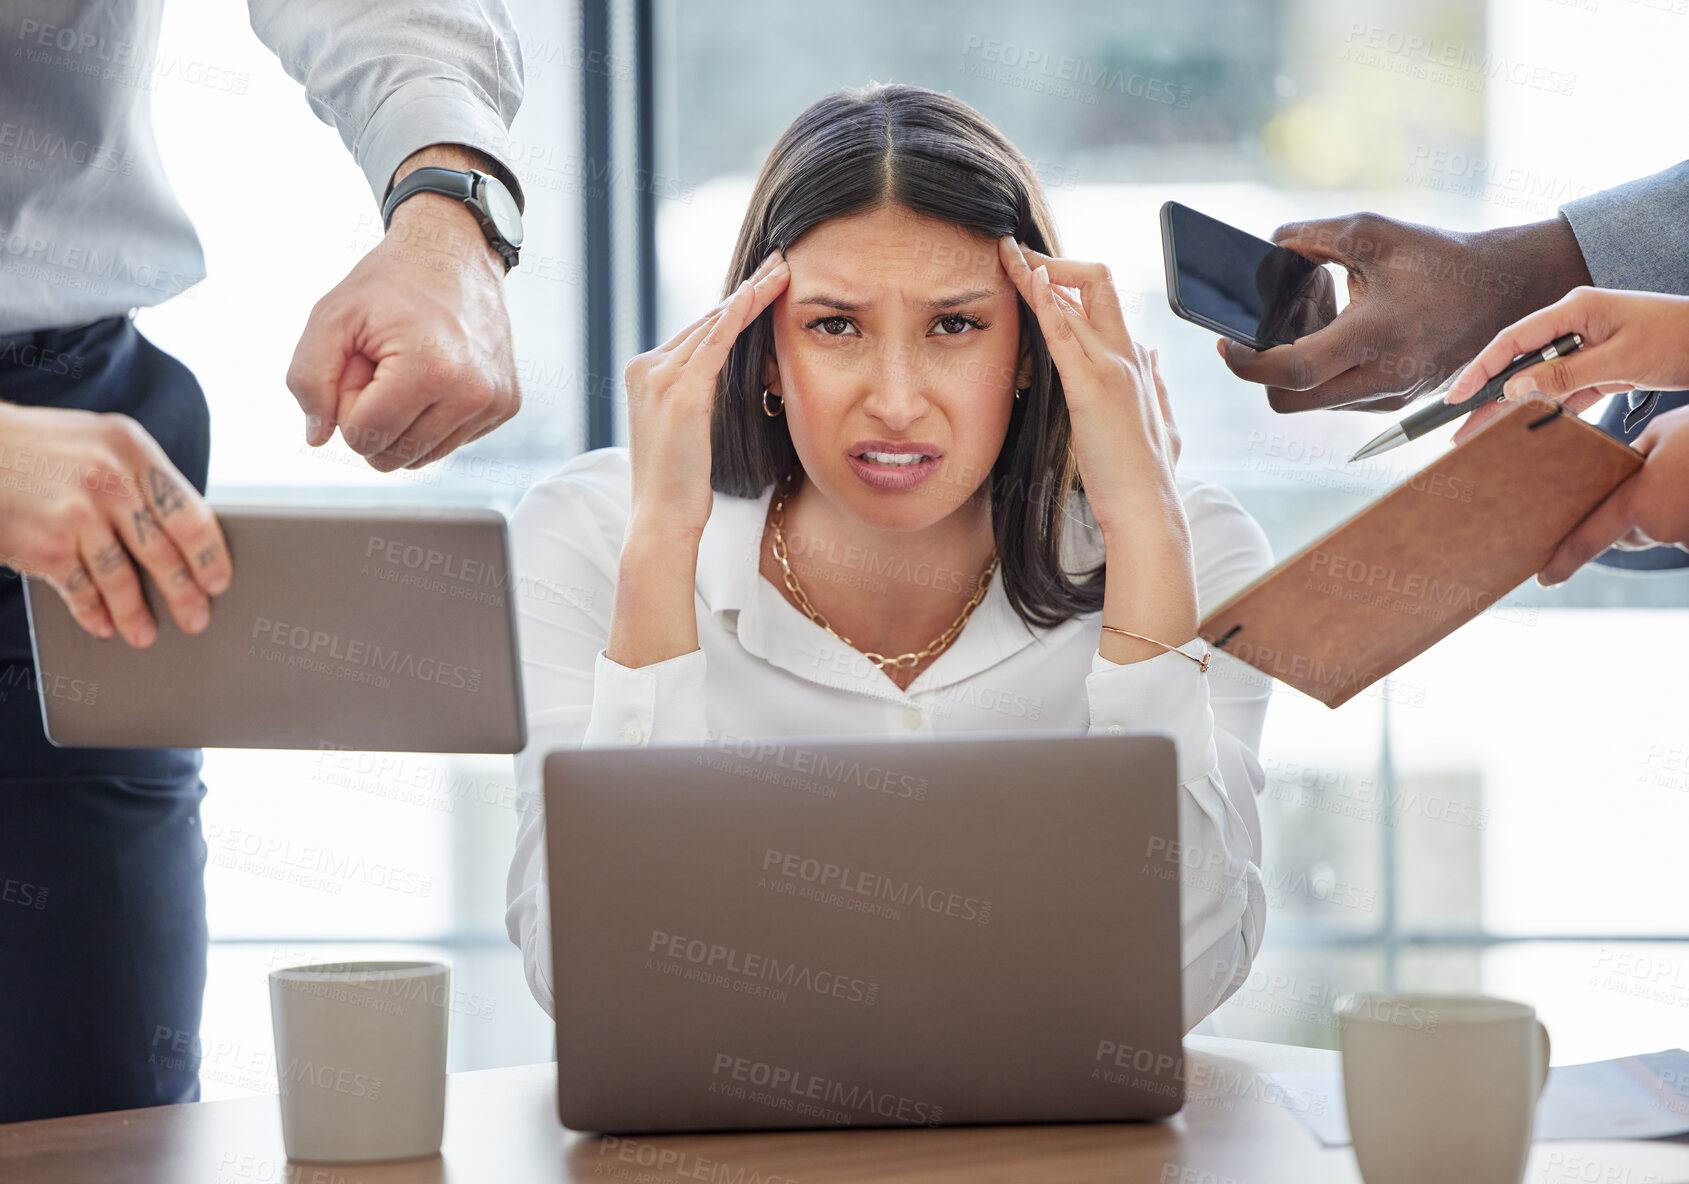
165,495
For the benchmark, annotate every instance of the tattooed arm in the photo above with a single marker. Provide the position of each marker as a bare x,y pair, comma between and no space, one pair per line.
83,498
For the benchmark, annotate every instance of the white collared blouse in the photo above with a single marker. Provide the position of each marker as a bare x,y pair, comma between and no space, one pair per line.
763,669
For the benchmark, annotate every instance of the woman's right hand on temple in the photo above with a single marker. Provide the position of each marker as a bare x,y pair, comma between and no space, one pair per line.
1631,341
82,496
669,392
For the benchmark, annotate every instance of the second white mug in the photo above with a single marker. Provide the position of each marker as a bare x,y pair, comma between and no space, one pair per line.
1441,1087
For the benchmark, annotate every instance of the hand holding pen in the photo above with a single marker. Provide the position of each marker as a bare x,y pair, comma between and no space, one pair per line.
1429,418
1631,341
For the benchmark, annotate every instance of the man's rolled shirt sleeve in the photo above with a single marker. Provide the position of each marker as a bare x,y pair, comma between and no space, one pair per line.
394,79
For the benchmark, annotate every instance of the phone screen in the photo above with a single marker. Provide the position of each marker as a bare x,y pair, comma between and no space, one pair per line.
1245,287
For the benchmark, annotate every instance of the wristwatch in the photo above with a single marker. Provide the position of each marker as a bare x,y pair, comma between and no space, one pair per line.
486,197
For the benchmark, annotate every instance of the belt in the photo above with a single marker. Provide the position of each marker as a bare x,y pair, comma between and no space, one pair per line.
51,338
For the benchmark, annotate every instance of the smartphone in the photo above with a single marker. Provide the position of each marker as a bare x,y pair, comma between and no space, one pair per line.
1244,287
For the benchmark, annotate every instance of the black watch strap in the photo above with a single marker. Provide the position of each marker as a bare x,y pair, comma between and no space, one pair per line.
428,179
454,183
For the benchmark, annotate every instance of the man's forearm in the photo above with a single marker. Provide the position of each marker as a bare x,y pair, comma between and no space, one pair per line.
1542,257
436,223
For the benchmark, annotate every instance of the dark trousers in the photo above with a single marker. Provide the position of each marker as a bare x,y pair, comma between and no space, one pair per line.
102,864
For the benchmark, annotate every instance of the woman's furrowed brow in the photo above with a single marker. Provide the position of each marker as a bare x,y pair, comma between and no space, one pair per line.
938,303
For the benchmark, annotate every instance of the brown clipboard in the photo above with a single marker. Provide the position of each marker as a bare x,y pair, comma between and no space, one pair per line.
1425,558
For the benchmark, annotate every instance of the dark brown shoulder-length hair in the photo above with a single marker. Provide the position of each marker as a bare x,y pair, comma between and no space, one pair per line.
857,150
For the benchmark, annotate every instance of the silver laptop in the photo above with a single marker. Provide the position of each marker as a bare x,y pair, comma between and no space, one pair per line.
385,629
825,933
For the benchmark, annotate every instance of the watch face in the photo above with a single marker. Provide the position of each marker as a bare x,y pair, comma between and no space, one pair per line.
501,207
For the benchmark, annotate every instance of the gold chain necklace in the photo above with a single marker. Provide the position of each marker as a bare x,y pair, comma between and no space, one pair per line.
881,661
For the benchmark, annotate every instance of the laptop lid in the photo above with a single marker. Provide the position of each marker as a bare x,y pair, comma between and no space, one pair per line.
383,629
826,933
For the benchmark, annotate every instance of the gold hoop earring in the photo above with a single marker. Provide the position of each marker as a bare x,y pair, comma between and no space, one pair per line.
766,411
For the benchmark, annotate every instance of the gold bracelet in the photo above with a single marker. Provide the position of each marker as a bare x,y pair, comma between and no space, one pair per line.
1202,662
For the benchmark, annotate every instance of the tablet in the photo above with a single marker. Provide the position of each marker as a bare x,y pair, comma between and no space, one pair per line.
387,629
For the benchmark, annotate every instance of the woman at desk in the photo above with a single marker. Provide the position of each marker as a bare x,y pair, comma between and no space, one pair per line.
852,504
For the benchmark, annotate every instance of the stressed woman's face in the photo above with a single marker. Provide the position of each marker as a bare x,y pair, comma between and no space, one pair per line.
896,352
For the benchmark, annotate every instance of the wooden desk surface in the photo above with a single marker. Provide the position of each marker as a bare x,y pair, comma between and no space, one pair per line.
501,1127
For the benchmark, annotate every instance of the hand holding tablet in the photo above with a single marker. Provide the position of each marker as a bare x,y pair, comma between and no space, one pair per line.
371,629
86,499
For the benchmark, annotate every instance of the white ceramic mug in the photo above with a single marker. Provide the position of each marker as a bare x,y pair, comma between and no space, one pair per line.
1441,1087
361,1059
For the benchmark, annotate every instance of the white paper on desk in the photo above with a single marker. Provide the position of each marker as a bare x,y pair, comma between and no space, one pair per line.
1643,1097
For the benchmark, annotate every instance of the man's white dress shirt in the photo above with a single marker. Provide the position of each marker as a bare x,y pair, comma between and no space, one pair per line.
89,226
764,669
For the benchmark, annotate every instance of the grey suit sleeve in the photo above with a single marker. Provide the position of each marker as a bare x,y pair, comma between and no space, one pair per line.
393,78
1636,236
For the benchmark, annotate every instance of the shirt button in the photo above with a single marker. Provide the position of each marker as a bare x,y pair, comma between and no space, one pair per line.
632,734
912,718
1116,730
